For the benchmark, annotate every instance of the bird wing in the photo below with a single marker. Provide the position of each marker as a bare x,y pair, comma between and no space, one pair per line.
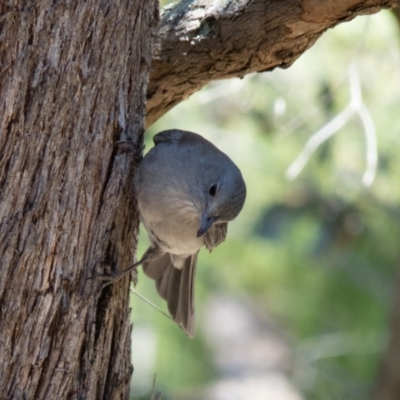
171,135
189,139
215,235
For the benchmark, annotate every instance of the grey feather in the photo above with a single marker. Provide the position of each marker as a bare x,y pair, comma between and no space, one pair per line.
215,236
176,286
187,192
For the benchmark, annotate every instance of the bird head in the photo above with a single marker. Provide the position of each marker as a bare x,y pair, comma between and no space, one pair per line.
223,195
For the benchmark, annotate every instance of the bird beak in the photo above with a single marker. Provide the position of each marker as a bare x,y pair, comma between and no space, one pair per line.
205,224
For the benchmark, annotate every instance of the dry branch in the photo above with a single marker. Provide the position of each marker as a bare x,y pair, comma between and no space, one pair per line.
202,41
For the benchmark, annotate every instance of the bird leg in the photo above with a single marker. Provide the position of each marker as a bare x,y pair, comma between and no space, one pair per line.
151,254
125,145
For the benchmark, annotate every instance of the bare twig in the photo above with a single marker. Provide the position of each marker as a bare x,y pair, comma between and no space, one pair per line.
356,107
150,303
155,395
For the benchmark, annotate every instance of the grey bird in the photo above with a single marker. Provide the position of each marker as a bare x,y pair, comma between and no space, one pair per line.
187,192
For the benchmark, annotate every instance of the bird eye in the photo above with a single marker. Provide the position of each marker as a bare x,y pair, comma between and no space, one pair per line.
213,189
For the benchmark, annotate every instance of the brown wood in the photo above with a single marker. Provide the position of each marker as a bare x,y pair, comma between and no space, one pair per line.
388,382
72,80
203,40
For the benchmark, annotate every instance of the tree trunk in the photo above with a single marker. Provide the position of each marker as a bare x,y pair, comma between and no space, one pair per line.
388,384
73,79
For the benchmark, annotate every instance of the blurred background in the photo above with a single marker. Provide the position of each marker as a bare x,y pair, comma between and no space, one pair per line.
295,304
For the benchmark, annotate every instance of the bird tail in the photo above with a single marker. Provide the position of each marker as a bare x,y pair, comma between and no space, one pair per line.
176,286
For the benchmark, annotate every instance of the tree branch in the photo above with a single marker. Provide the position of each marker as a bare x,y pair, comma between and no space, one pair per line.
206,40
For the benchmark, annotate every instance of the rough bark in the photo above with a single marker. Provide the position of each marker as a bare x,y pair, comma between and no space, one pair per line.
207,40
73,79
388,383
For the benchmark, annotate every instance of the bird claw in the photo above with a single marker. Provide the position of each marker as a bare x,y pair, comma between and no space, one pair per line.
125,145
116,275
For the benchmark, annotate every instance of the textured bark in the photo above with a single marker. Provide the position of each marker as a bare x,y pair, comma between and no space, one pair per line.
388,383
73,80
205,40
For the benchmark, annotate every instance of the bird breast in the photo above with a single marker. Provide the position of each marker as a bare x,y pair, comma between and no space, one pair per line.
172,225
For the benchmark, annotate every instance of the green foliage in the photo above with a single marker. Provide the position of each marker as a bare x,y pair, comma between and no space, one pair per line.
318,253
